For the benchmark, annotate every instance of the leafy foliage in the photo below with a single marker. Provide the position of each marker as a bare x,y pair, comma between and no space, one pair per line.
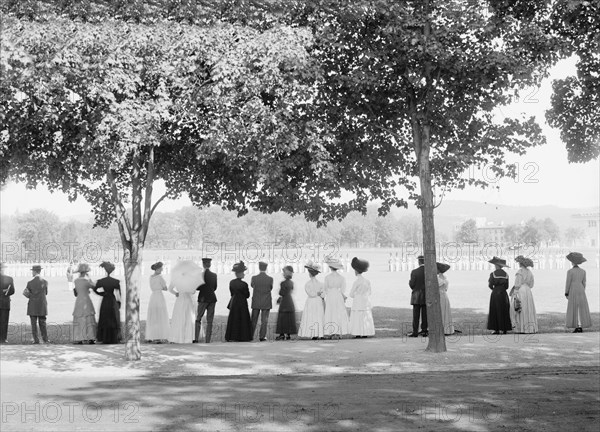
384,80
576,99
215,110
259,14
468,232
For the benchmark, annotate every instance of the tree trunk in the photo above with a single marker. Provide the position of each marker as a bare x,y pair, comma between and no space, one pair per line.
132,262
437,341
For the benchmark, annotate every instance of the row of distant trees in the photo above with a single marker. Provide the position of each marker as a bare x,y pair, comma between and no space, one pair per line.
542,232
188,227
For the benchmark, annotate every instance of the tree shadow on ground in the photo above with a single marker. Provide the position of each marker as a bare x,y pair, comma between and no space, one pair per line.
519,399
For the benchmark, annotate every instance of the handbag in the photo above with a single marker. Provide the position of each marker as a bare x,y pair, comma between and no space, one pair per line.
517,304
26,292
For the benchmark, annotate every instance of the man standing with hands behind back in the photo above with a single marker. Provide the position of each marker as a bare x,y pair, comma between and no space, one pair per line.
417,299
206,301
262,285
37,307
7,288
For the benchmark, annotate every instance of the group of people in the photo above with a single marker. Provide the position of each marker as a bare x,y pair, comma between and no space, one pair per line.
108,328
324,314
418,299
85,328
516,311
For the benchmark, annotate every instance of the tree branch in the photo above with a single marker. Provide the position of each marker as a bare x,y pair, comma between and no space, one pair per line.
148,194
136,193
122,220
157,202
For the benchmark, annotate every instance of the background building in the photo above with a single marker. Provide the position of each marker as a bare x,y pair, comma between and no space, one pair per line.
588,222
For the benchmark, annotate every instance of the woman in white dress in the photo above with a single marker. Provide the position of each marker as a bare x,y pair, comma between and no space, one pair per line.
157,320
311,325
522,310
336,315
444,301
578,310
361,317
183,320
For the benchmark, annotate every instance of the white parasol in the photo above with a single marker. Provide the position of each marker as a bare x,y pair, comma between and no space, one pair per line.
186,276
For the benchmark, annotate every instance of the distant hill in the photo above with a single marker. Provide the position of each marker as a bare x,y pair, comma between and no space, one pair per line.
452,213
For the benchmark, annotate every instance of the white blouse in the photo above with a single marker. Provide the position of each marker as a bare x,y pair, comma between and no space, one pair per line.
313,287
360,292
335,282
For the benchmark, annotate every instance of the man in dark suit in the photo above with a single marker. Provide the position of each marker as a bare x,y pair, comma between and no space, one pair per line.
262,285
7,288
206,301
417,299
37,307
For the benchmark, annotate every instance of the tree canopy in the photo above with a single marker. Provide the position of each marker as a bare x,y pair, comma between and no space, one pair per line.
576,99
104,109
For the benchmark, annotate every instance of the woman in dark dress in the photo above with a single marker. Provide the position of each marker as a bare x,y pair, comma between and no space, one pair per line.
239,325
109,322
286,316
499,314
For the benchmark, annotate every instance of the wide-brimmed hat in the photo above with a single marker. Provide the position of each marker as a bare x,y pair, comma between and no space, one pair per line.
498,261
576,258
359,265
239,267
334,263
108,266
37,268
83,268
442,267
156,265
312,266
527,262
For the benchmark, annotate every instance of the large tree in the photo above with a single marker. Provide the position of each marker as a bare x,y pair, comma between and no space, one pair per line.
410,90
103,110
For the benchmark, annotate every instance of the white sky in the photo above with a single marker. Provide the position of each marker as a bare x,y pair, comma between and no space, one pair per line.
546,178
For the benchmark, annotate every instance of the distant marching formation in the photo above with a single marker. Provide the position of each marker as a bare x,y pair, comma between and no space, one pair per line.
324,314
395,263
541,261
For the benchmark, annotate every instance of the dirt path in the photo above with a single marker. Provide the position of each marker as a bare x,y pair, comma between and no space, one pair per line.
376,384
